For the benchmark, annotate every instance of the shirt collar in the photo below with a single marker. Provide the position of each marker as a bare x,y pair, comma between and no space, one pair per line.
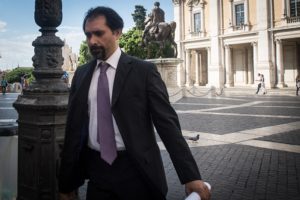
113,60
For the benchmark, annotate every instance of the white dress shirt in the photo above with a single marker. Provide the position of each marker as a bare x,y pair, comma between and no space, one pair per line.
113,61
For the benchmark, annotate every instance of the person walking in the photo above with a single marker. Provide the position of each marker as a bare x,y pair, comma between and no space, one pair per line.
297,84
263,86
115,102
4,84
259,82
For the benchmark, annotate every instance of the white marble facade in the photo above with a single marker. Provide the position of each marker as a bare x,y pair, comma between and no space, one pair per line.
224,53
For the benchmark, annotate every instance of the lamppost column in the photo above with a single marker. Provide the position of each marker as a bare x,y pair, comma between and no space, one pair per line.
42,110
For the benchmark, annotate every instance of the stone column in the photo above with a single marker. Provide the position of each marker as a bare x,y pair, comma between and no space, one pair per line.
42,110
201,74
279,63
250,66
228,66
178,18
264,55
246,65
198,59
232,20
284,13
187,67
254,46
208,55
215,67
202,22
246,12
191,18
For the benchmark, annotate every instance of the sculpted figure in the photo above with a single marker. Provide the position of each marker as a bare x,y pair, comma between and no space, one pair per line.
154,18
158,31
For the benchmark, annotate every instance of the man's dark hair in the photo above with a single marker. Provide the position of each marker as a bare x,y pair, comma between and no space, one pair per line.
113,19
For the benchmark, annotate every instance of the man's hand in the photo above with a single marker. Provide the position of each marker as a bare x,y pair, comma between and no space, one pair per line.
68,196
199,187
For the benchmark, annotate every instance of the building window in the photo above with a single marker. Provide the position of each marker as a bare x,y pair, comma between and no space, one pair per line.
295,8
197,22
239,14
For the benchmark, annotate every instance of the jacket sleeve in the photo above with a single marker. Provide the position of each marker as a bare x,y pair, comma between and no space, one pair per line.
70,172
167,124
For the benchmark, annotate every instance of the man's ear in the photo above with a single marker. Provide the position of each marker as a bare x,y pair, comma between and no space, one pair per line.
117,33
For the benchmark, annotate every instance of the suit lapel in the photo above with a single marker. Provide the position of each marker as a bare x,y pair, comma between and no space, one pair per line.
83,90
124,66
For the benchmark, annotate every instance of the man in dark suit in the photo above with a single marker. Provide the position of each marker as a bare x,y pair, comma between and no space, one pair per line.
114,146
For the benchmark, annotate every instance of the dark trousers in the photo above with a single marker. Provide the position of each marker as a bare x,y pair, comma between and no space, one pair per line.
297,91
119,181
3,89
258,88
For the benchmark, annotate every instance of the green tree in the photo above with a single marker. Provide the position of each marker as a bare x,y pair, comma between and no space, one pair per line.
130,42
84,53
16,74
139,17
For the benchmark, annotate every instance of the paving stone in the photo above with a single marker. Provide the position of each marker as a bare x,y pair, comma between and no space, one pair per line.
217,124
291,137
237,171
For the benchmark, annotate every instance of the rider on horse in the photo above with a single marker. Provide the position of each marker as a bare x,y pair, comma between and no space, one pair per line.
157,15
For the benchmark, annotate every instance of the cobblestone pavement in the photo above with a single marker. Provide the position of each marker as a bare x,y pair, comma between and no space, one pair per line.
249,147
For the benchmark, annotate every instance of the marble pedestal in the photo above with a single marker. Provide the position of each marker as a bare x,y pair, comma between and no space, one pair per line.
167,68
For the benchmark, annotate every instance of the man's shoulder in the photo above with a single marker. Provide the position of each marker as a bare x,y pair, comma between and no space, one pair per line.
139,62
85,66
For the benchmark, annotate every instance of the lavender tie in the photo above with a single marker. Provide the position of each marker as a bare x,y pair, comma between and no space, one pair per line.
106,134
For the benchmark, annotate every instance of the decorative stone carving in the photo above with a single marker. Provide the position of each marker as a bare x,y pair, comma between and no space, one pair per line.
42,109
176,2
48,13
193,2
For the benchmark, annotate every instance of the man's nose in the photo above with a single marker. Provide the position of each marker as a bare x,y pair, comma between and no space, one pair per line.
92,39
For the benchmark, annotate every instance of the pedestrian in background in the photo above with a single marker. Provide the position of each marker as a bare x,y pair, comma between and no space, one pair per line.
261,83
259,79
4,84
110,140
263,86
297,84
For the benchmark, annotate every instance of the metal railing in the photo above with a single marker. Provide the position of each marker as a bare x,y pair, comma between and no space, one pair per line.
194,91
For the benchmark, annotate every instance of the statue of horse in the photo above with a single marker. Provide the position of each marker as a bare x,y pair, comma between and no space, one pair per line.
160,34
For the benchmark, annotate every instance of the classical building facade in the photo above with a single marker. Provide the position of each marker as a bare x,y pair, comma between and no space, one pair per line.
70,59
227,42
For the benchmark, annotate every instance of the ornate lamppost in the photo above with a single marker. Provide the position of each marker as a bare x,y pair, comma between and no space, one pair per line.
42,110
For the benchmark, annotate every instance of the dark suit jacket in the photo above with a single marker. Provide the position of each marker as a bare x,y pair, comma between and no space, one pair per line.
139,100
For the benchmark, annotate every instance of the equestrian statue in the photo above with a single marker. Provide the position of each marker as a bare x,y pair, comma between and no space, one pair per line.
158,31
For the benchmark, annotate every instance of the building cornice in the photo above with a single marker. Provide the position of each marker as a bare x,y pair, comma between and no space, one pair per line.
193,2
176,2
284,28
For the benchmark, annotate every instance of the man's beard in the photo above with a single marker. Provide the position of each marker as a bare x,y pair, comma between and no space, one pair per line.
98,52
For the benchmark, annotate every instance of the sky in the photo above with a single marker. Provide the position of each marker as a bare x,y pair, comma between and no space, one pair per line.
18,29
